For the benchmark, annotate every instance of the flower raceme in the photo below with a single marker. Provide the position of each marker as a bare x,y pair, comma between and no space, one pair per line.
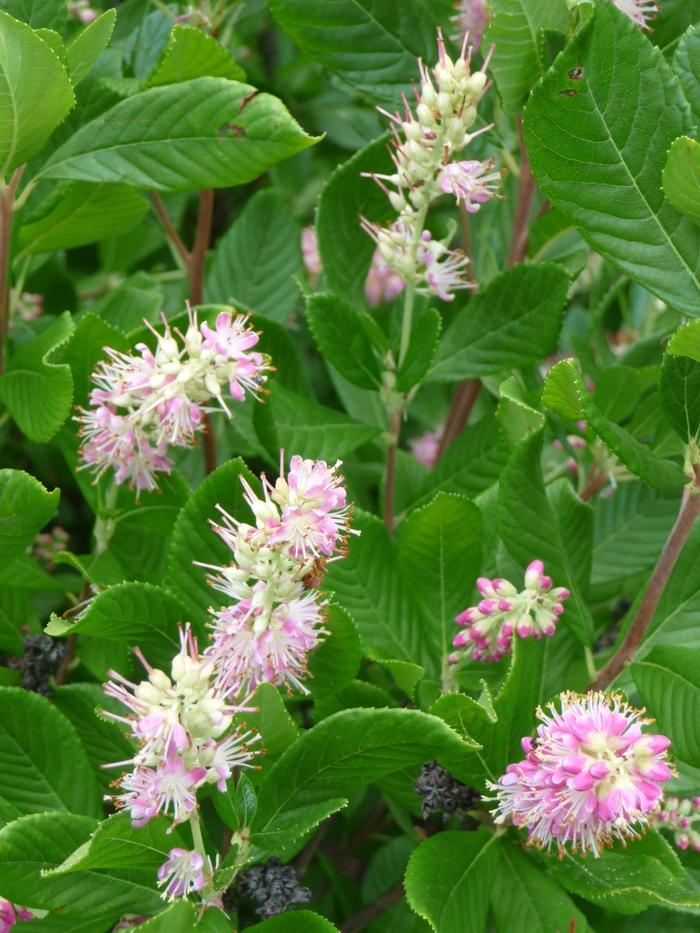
277,618
503,612
184,872
589,777
179,723
425,142
142,403
678,816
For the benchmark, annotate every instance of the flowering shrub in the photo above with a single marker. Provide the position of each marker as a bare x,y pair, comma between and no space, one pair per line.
349,380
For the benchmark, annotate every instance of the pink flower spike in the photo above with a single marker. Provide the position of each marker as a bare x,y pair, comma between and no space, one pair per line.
183,873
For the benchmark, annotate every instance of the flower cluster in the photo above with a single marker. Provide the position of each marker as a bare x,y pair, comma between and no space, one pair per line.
679,816
10,914
441,793
277,616
639,11
81,11
179,722
184,872
143,403
590,776
426,448
48,544
471,20
503,612
425,144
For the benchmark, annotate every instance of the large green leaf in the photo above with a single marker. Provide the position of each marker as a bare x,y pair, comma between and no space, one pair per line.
598,146
35,844
679,390
371,44
669,681
124,616
440,555
348,750
25,507
338,333
295,921
557,531
255,261
37,391
449,878
335,663
45,766
345,249
686,65
191,53
526,900
300,425
628,879
39,14
81,213
512,322
518,60
194,540
84,50
681,178
35,93
204,133
565,393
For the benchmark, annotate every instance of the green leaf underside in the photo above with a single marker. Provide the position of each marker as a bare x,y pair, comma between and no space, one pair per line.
597,144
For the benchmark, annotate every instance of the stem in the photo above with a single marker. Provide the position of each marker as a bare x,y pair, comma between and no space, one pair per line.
526,195
105,523
406,322
463,401
594,484
7,205
201,245
170,230
689,510
361,919
466,240
197,834
390,483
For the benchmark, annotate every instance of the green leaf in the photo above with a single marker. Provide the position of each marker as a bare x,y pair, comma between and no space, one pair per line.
271,720
526,900
336,661
38,392
440,548
295,921
421,350
518,60
533,526
191,53
288,421
125,307
103,740
237,805
204,133
669,681
179,917
44,764
33,845
339,335
370,586
39,14
348,750
681,178
255,262
289,827
627,880
598,147
193,539
565,393
345,249
372,46
686,65
25,507
116,844
81,213
449,879
83,52
35,93
516,416
122,616
512,322
679,390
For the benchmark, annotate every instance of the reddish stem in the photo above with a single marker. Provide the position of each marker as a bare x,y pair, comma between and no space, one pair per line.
390,483
526,195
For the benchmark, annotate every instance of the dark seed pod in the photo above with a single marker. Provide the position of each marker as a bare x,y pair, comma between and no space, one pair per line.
274,886
442,793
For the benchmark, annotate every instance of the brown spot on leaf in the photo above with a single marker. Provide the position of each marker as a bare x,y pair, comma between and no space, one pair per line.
576,74
568,92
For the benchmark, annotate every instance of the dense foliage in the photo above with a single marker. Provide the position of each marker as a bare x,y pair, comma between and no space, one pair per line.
349,415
